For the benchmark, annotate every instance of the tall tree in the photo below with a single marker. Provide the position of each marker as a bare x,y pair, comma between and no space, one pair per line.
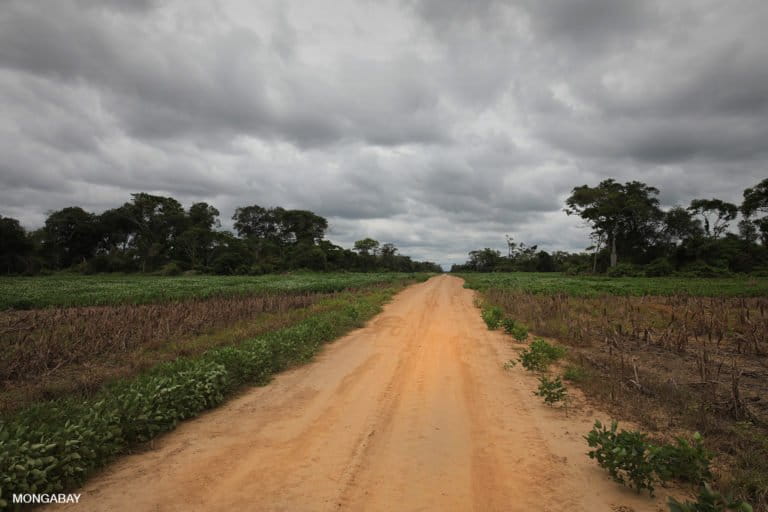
367,246
70,236
156,222
15,247
626,212
756,202
715,213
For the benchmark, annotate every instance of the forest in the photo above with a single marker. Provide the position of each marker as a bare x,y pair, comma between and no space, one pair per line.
156,234
632,235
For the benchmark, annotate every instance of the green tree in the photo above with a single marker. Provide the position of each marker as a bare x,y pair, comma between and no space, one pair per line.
70,236
756,202
15,247
367,246
717,215
626,215
156,222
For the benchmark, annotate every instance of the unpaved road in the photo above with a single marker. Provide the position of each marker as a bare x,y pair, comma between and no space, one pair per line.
412,412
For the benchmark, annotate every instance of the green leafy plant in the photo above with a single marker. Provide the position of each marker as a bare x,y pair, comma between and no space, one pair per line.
632,460
685,460
709,501
540,354
492,316
551,390
520,332
624,454
508,324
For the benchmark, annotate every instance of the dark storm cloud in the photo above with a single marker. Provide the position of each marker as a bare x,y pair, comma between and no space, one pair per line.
437,125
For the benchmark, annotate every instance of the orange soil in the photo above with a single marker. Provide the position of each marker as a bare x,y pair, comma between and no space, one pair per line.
412,412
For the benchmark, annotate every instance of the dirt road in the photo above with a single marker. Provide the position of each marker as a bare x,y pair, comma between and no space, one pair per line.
412,412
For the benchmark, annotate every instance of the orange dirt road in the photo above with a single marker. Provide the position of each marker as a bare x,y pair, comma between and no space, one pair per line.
412,412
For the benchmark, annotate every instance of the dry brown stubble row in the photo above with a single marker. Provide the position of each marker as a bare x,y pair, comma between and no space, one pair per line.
39,341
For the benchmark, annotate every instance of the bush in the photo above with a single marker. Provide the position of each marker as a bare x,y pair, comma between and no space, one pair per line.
625,455
520,332
539,355
624,270
632,460
492,316
709,501
171,269
552,391
508,324
701,269
658,268
684,460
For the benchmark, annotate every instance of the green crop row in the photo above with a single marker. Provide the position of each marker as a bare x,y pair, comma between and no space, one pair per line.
100,290
552,283
54,446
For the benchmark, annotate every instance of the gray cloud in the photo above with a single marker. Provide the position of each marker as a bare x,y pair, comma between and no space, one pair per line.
437,125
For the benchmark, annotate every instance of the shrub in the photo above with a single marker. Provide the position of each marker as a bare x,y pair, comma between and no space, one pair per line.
709,501
684,460
658,268
625,455
624,270
492,316
632,460
520,332
551,390
540,354
508,324
171,269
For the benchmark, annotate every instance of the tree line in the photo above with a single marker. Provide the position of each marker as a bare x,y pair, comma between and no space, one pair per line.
632,235
153,233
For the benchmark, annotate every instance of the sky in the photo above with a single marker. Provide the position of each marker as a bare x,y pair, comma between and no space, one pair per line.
438,125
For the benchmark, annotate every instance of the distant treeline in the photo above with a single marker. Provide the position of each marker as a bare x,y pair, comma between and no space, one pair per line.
156,234
632,235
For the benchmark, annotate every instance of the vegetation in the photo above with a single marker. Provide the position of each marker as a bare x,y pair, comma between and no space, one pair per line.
77,290
492,316
153,233
709,501
539,355
53,446
691,358
631,459
632,236
551,390
595,286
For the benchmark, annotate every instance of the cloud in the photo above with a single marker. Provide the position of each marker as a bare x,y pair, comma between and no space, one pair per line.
437,125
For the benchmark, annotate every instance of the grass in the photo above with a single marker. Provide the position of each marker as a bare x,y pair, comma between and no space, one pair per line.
64,290
551,283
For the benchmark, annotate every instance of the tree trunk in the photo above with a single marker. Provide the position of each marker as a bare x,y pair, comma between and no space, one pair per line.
597,250
614,256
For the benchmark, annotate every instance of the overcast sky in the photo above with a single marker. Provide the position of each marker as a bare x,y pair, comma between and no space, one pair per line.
439,125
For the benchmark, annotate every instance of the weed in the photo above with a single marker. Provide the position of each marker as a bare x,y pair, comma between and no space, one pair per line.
551,390
539,355
709,501
508,324
520,332
492,316
510,364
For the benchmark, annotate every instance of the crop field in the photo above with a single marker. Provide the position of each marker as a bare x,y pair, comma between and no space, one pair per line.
595,286
110,289
671,354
